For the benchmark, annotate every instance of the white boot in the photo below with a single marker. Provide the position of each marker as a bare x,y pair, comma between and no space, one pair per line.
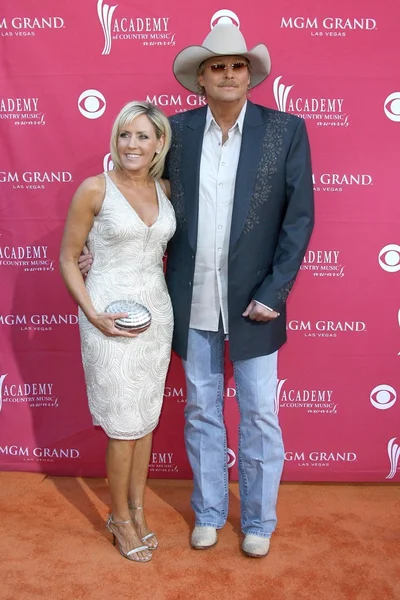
256,546
203,537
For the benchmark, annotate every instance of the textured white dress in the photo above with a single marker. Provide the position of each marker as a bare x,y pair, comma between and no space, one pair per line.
125,377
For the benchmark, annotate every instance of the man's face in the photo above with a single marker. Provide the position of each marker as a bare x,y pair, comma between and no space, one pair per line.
227,84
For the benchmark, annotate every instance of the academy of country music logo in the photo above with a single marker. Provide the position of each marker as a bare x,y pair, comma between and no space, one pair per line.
22,111
383,397
311,401
35,394
38,453
389,258
108,164
329,26
27,258
323,263
37,322
18,26
163,462
393,450
391,107
318,458
179,102
325,329
33,180
92,104
149,31
338,182
326,112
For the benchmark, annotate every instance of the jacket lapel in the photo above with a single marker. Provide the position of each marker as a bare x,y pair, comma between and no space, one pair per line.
249,160
192,144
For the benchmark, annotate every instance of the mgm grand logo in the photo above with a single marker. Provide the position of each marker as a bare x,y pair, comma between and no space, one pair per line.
328,26
38,453
319,459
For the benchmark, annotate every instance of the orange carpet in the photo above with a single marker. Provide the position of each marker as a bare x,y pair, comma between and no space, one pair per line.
339,542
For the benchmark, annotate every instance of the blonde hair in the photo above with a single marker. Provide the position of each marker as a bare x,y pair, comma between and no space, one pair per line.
161,126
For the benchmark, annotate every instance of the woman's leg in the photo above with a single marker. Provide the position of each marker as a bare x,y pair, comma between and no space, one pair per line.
137,485
119,462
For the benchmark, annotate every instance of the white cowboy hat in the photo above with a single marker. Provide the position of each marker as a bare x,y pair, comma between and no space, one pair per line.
223,40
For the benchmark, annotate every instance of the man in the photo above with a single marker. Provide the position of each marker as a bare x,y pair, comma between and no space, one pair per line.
242,191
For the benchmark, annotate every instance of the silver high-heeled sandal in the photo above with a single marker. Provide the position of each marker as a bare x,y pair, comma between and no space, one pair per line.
130,554
147,536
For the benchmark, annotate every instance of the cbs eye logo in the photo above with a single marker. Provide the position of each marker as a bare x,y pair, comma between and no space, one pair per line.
383,397
230,458
392,107
224,16
92,104
389,258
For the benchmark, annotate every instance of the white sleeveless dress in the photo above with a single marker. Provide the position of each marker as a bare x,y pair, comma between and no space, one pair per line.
125,377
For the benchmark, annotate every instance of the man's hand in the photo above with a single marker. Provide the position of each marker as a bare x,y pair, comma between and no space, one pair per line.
85,261
258,312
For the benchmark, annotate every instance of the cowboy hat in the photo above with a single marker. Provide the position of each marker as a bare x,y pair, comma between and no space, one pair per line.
223,40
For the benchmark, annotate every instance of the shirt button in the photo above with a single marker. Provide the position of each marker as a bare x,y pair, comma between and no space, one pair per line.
221,204
223,164
190,283
219,269
220,184
220,249
219,226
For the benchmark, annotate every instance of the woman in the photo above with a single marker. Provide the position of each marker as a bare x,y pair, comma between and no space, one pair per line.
126,220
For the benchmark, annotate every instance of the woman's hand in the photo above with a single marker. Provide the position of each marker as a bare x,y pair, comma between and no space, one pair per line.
105,322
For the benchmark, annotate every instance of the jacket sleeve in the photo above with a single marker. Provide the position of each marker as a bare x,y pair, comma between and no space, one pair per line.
165,174
297,224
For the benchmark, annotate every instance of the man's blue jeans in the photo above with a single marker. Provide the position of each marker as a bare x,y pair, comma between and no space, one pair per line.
261,452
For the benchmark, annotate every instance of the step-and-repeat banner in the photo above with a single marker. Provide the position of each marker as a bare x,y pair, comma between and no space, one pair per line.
66,68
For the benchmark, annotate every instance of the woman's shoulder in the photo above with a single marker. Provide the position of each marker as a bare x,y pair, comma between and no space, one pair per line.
90,193
95,183
166,187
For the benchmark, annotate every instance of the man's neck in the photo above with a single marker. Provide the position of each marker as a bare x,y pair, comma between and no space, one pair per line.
226,113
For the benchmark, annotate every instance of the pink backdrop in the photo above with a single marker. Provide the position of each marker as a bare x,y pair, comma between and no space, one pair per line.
66,70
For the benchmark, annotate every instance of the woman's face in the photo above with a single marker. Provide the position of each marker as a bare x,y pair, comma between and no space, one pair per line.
137,144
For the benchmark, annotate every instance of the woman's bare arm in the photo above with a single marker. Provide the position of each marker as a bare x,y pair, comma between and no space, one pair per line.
85,205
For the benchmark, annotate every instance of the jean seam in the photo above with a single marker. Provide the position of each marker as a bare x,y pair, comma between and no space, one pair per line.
216,353
220,414
241,466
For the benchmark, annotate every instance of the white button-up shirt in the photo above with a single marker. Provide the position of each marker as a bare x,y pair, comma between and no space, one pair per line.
218,168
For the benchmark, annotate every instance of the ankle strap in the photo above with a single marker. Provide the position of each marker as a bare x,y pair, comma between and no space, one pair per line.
135,507
111,520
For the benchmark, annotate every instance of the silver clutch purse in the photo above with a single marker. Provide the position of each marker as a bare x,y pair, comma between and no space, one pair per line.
138,319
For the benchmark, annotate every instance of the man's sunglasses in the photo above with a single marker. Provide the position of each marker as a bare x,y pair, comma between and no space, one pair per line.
220,67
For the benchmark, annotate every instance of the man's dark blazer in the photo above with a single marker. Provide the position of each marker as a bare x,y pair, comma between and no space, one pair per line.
272,221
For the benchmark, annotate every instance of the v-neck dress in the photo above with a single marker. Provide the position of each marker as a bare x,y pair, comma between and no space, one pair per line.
125,377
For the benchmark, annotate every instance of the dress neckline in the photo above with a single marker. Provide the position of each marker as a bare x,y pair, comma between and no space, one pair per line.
157,187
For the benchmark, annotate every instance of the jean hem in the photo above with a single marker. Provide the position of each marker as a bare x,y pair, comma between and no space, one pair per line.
197,524
258,534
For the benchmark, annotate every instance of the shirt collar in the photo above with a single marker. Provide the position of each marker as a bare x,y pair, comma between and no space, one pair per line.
239,121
